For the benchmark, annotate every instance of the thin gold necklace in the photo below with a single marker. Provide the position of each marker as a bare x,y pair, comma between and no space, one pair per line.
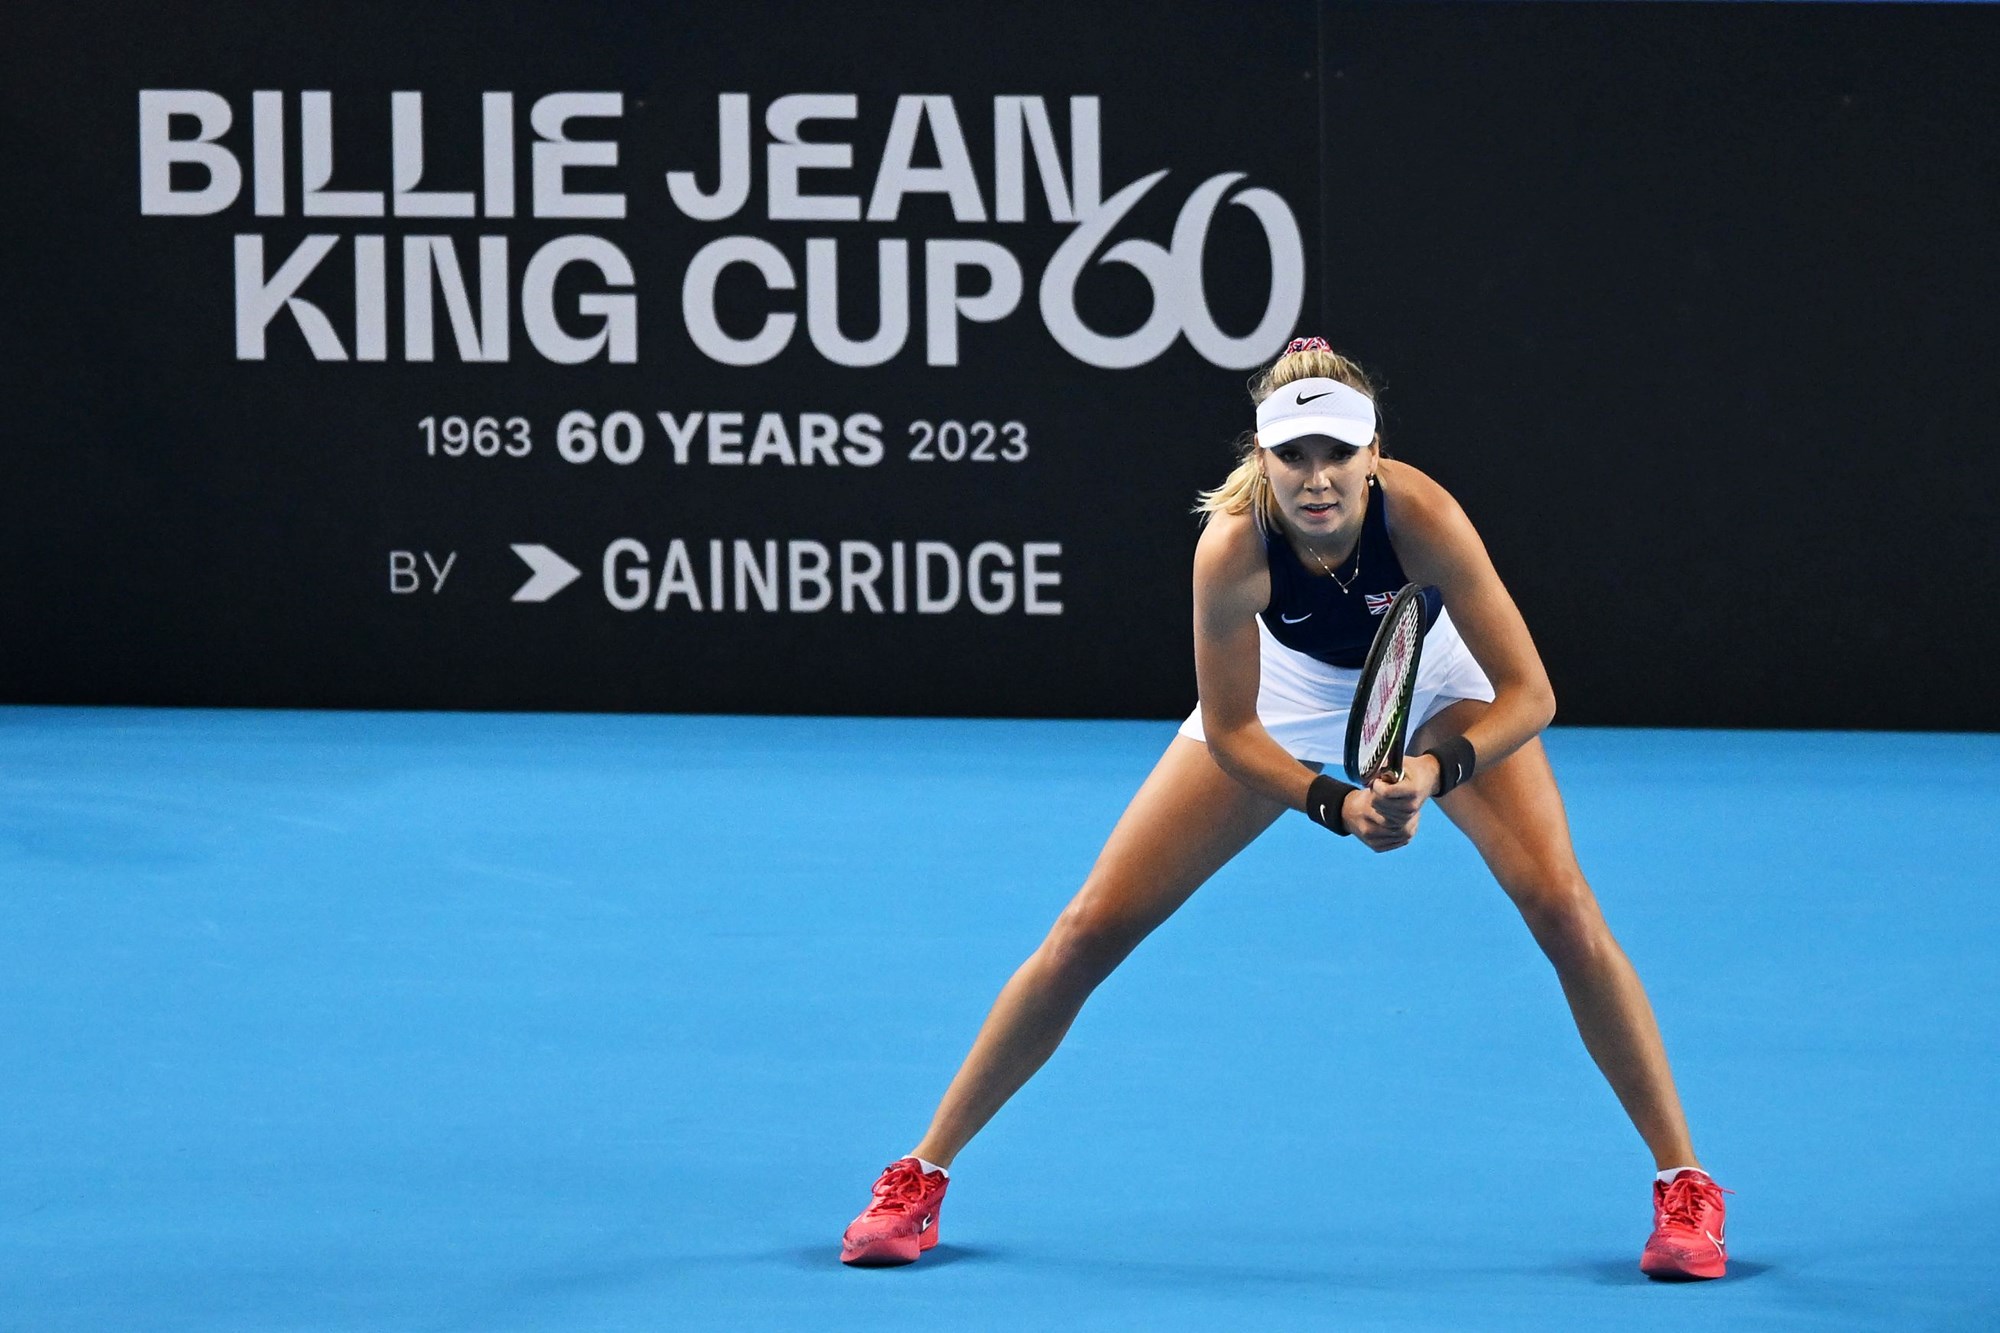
1329,569
1357,555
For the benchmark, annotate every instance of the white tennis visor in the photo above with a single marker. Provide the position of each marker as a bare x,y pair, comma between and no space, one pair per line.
1316,407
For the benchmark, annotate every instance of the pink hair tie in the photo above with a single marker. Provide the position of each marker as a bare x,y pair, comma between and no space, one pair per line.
1307,345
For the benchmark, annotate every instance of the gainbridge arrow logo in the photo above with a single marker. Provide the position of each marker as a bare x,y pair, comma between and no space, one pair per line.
551,574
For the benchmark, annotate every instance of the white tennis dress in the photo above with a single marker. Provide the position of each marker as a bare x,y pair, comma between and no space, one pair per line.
1303,702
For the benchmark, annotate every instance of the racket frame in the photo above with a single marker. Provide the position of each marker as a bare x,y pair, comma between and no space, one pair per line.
1364,689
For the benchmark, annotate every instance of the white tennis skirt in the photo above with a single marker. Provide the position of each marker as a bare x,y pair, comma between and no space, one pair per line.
1303,702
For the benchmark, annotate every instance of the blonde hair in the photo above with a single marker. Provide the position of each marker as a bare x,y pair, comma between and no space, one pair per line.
1245,489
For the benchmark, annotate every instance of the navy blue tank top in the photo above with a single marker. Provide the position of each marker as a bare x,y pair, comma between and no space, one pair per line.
1310,613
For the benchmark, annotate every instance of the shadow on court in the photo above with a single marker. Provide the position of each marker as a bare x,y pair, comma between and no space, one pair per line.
1624,1272
827,1257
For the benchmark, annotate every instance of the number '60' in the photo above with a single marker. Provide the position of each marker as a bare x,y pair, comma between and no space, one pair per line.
621,440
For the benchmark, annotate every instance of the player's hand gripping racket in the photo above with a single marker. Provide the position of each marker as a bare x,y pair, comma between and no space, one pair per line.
1379,722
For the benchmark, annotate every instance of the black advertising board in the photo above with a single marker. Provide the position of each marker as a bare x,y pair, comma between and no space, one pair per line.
866,363
774,359
1694,306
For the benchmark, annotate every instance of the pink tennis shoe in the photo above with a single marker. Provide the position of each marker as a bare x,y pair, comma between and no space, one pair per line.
902,1222
1687,1229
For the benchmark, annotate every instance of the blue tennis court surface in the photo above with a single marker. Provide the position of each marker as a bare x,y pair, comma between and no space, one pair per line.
361,1021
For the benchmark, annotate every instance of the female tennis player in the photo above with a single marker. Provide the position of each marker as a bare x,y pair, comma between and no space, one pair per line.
1305,543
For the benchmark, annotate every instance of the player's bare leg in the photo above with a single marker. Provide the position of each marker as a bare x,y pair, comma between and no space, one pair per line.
1514,816
1187,820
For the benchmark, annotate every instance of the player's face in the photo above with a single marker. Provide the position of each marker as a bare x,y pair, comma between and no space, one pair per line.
1319,483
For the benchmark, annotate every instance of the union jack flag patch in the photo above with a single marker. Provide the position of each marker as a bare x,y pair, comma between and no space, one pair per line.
1380,602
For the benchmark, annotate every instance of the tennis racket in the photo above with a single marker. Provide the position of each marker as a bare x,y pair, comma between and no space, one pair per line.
1378,723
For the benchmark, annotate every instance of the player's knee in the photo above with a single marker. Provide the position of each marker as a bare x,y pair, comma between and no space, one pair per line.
1562,913
1086,943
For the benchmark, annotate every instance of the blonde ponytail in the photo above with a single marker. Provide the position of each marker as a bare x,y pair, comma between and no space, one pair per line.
1244,491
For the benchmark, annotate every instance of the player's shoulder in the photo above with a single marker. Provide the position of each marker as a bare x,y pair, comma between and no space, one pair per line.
1419,506
1232,576
1231,547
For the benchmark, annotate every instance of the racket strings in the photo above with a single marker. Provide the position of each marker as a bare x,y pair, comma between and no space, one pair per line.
1381,708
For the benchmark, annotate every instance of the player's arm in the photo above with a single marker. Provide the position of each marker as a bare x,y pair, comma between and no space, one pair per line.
1438,545
1231,586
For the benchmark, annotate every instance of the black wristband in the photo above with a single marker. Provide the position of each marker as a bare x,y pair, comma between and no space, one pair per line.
1456,760
1323,800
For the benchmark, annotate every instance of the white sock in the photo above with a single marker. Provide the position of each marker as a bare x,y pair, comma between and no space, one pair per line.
1666,1177
931,1168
